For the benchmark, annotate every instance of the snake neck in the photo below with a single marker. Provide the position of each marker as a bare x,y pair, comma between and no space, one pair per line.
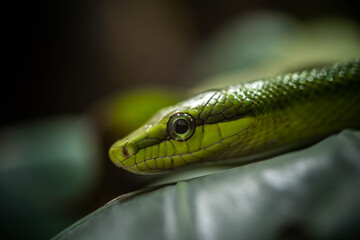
298,108
285,91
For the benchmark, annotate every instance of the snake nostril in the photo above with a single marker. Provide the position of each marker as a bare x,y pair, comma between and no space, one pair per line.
129,149
125,151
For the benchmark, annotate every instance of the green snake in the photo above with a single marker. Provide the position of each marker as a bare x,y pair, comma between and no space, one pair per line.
246,121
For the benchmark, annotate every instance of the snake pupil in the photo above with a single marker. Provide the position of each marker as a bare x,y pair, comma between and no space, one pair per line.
181,126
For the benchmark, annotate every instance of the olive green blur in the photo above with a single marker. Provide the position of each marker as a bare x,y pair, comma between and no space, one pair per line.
248,120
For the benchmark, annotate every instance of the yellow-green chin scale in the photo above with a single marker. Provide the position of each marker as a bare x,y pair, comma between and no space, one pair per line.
244,120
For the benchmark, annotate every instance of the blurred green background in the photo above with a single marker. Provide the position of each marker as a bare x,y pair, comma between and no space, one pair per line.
81,74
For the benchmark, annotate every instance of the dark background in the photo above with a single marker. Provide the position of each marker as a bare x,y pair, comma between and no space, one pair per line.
58,57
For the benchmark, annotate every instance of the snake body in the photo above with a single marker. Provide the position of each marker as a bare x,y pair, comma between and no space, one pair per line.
245,121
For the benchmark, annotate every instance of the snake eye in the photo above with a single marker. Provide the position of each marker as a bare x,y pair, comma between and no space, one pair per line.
181,126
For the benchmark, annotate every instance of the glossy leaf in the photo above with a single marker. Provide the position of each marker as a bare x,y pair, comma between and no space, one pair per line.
308,194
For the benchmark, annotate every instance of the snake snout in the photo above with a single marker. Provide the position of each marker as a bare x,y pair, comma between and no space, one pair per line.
119,153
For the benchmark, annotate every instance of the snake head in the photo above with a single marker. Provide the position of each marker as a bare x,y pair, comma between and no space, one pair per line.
184,134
